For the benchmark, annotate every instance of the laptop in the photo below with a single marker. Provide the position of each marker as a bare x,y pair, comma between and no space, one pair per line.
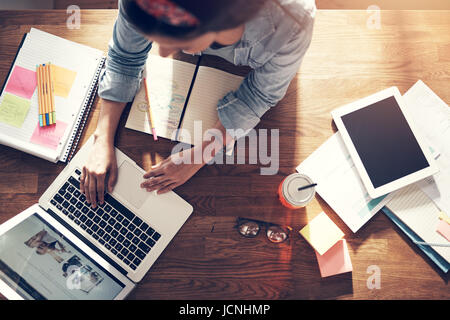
62,248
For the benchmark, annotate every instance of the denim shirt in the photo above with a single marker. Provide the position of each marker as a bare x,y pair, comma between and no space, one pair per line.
273,45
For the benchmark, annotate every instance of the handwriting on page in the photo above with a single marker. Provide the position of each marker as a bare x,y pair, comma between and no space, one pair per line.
49,136
63,80
22,82
14,110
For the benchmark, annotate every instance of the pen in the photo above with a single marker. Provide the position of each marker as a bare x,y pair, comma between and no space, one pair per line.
431,244
40,98
307,187
150,116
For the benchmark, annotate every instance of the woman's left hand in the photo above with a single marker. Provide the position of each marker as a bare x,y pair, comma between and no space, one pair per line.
170,173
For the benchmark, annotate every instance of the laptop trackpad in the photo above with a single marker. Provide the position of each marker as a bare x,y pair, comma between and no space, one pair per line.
128,185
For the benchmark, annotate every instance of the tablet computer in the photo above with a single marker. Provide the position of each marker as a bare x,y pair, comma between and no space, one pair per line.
383,142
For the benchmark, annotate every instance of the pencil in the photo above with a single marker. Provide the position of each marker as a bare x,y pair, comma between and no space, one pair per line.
52,95
49,94
150,116
39,87
46,97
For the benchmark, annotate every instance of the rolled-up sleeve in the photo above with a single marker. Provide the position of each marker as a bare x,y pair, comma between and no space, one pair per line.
266,85
127,53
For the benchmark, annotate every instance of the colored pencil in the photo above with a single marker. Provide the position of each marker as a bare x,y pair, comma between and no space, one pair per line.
45,95
150,116
52,94
40,98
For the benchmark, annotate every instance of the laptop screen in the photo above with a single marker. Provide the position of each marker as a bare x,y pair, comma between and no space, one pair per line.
38,262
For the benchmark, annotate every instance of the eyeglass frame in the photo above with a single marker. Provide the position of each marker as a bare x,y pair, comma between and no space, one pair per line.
261,224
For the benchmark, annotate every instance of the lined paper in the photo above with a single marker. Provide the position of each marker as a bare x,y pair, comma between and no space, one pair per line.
210,86
420,214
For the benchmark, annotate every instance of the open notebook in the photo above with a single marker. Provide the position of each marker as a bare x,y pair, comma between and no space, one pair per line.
180,94
75,72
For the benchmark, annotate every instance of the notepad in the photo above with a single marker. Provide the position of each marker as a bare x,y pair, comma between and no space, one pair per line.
13,110
321,233
62,80
22,82
77,68
335,261
180,93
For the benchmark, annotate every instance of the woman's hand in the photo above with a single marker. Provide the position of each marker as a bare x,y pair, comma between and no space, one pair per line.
99,173
171,172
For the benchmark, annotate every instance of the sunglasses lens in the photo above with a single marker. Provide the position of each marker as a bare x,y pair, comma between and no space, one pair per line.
249,229
276,234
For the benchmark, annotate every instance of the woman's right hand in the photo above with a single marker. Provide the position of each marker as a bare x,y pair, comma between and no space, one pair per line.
99,172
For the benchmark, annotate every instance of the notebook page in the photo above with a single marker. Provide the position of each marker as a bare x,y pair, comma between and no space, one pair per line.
210,86
40,47
169,81
419,213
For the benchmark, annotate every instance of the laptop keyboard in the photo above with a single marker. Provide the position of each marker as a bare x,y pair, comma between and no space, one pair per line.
110,224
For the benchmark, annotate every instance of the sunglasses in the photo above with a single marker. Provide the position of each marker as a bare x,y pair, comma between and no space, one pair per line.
250,228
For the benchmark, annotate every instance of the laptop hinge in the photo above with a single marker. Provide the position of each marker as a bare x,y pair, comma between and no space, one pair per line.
87,242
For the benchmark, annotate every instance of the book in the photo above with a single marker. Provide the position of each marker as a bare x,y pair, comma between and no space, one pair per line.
75,73
180,94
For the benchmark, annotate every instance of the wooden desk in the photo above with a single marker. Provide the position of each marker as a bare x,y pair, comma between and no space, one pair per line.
208,259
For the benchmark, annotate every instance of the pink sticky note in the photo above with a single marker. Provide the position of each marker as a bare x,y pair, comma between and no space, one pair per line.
22,82
49,136
443,229
335,261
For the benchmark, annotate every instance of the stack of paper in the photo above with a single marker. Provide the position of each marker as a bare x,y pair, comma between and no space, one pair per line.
332,252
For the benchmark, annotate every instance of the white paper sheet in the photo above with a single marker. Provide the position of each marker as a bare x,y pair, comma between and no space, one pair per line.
339,184
432,116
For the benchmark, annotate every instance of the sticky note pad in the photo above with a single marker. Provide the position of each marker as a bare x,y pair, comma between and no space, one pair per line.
22,82
62,80
49,136
443,228
14,110
335,261
321,233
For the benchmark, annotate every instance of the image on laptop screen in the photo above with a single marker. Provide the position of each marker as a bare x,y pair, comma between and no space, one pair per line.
38,262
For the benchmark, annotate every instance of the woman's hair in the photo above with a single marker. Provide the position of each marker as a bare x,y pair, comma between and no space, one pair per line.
213,16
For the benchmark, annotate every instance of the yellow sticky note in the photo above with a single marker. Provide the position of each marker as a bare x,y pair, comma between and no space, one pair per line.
14,110
62,80
444,217
321,233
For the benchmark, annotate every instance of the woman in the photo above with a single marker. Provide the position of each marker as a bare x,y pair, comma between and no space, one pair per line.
270,36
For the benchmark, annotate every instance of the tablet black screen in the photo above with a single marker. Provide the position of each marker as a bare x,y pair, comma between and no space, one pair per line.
384,141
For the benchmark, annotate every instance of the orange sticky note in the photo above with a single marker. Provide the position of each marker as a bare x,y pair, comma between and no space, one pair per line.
63,80
335,261
443,228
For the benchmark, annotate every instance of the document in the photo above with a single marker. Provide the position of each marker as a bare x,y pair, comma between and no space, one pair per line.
432,116
413,207
339,184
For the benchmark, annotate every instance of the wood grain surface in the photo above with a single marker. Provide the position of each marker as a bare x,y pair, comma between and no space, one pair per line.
208,259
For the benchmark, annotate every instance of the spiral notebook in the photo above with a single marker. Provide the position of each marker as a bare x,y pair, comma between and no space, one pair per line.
183,98
75,72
